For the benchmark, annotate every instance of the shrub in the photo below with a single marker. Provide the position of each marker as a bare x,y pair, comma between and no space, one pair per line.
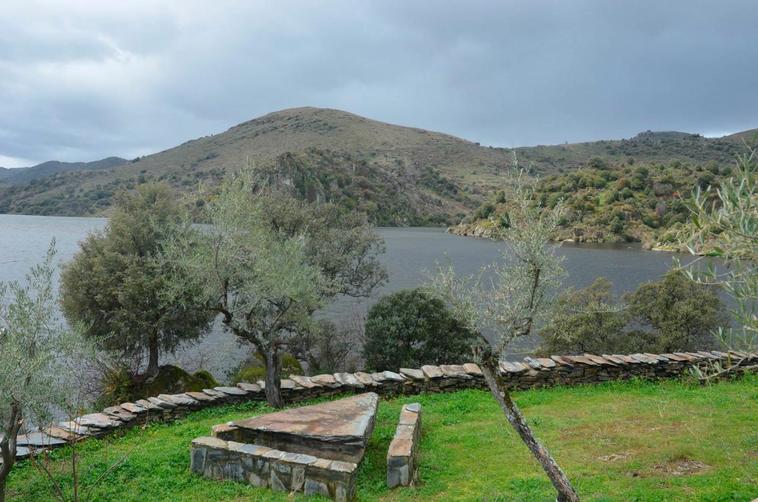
253,369
119,384
411,328
672,314
682,313
587,320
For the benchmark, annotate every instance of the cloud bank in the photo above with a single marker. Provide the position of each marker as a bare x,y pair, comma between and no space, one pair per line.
81,80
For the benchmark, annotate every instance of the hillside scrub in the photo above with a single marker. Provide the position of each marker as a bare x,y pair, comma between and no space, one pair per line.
611,203
672,314
635,440
398,175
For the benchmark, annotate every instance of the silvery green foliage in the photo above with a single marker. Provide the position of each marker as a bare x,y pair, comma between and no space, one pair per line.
39,355
261,283
725,226
523,283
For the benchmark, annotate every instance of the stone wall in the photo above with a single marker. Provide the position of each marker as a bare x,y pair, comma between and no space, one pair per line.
266,467
402,455
526,374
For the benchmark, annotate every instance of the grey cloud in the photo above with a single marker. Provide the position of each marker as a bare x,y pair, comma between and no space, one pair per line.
88,80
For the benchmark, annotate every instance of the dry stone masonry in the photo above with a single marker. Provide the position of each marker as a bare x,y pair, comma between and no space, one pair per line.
312,449
402,456
525,374
275,469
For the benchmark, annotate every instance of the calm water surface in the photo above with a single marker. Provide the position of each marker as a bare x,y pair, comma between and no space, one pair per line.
410,252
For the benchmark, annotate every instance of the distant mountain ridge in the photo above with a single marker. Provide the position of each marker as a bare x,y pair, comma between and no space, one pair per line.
398,175
25,174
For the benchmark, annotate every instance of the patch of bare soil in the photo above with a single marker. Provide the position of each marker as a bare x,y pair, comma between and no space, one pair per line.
683,467
614,457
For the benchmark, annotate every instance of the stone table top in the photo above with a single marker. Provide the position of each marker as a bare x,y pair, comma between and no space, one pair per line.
344,420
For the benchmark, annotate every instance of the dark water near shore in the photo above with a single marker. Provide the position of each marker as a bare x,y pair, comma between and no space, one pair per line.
410,252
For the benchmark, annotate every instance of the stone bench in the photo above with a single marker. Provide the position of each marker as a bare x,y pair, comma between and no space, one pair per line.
402,456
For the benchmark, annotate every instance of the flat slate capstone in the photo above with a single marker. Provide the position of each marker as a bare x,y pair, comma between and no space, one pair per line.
336,430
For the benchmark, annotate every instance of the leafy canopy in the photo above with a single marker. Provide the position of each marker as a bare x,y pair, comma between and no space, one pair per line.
412,327
115,285
38,370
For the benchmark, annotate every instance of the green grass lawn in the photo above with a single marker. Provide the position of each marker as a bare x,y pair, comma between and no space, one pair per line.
617,441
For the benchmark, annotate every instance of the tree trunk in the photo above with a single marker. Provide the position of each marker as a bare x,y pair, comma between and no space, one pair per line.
152,363
8,445
273,380
497,386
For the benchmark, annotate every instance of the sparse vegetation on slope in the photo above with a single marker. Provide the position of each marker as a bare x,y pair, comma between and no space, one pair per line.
611,203
398,175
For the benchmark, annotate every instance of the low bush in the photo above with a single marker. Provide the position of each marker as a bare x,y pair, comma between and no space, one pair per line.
411,328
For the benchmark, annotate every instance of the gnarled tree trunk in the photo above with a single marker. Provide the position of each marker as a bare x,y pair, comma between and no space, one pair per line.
489,364
273,380
8,445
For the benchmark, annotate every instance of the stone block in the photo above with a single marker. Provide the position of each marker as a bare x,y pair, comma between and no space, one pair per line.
413,373
402,461
432,371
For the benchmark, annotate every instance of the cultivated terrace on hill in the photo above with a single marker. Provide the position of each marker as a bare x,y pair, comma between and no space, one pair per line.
398,175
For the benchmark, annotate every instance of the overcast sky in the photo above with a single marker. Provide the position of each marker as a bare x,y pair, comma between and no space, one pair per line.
81,80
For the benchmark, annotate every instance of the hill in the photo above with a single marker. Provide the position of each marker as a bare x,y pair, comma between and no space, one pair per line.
398,175
22,175
646,147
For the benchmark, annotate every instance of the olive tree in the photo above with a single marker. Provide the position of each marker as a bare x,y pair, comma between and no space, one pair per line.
724,225
519,297
114,285
38,355
265,262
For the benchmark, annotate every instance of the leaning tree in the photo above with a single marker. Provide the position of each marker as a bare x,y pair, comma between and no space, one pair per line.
38,358
519,297
266,262
114,286
724,225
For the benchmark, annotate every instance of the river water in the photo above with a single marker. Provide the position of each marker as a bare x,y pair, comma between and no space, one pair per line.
410,252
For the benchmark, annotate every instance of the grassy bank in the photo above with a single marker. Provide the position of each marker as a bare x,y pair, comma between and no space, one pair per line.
617,441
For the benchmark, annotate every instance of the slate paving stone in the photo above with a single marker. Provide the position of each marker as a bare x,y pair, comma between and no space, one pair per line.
337,430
